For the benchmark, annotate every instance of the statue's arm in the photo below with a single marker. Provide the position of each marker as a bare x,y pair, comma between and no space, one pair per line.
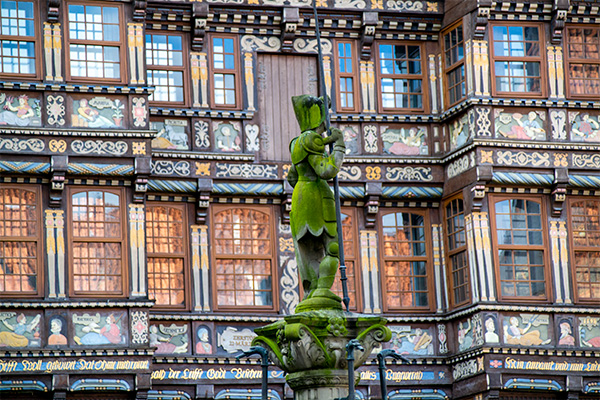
328,166
292,176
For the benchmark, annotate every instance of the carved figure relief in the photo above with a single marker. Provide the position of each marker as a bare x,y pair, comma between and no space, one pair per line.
58,331
491,335
172,134
584,127
589,331
405,141
99,329
566,337
19,330
527,330
351,134
515,125
19,111
459,132
413,341
169,339
465,335
204,340
228,137
98,112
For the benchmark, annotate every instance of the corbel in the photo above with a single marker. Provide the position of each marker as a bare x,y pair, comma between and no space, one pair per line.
484,175
559,18
58,170
559,190
142,167
484,7
139,10
53,10
286,203
289,25
205,186
200,20
367,34
374,190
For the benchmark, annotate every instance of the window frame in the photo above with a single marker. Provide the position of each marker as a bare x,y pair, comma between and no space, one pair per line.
549,292
459,249
217,208
573,249
185,255
428,258
423,77
568,60
124,241
121,44
184,68
541,59
37,43
339,75
41,283
353,256
236,72
453,67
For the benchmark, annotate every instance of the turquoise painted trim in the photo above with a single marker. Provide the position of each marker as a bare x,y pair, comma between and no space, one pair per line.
585,181
168,395
87,385
592,387
352,192
265,189
172,186
17,386
421,394
24,166
533,384
246,394
100,169
412,192
515,178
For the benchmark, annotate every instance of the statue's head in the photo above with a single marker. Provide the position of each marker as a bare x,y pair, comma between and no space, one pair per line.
310,111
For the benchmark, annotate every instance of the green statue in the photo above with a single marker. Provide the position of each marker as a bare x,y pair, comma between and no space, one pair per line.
313,216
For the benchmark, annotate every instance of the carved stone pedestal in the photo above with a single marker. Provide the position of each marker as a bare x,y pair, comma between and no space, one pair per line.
319,384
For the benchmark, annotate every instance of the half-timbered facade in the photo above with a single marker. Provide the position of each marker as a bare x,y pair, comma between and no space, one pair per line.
144,208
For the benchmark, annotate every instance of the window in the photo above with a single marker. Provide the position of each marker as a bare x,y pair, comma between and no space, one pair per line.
519,239
164,60
406,260
95,41
585,233
457,252
166,243
20,242
455,65
400,77
583,61
349,224
97,250
243,258
346,71
224,72
17,38
518,59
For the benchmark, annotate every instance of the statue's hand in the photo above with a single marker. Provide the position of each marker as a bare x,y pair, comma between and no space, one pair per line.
336,136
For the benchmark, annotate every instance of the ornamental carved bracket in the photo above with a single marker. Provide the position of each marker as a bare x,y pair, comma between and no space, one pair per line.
57,181
205,186
139,10
559,190
286,203
484,7
559,17
484,175
289,26
367,35
200,21
374,192
53,10
142,171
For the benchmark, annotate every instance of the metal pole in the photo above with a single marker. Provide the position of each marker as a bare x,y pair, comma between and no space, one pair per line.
352,344
264,365
336,185
381,359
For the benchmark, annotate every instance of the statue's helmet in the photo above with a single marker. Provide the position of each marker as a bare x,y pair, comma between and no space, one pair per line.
310,111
